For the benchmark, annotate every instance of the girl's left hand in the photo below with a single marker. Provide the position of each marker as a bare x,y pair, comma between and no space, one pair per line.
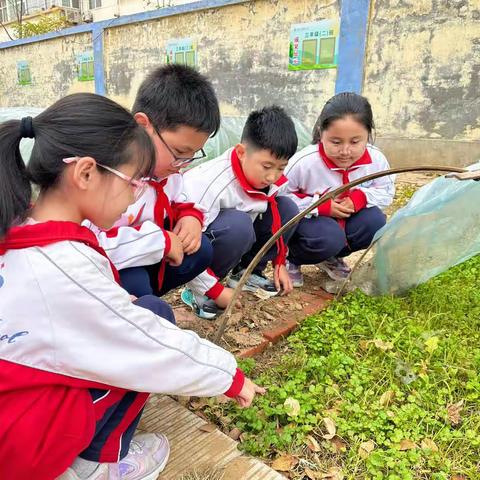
347,202
282,280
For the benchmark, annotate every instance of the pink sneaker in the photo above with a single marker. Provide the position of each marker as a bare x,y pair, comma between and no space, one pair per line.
147,457
295,274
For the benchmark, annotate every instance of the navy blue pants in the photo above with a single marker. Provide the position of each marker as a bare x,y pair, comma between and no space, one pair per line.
114,431
318,238
236,239
140,281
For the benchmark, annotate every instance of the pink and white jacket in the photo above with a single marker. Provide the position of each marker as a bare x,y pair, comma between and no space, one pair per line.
138,238
67,326
221,184
311,174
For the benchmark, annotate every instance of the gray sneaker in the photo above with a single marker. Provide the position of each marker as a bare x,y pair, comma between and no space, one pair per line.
335,268
256,281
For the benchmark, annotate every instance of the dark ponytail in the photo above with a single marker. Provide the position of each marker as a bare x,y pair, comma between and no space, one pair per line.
81,124
15,188
343,105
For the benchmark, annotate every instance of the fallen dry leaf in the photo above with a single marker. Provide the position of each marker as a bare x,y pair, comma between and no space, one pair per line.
334,473
407,445
298,306
312,475
338,444
383,345
284,463
331,428
292,407
429,444
208,427
364,344
366,448
387,398
459,477
453,411
235,433
312,444
197,404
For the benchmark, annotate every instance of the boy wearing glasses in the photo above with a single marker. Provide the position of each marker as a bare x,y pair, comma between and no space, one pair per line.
157,244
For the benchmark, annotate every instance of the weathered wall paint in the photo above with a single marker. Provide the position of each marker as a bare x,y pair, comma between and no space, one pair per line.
53,70
423,68
242,48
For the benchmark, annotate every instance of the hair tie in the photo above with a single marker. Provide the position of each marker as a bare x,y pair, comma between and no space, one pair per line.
26,128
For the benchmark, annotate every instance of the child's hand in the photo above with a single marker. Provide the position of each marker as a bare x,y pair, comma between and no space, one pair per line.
347,202
283,282
338,210
224,298
248,392
189,231
175,256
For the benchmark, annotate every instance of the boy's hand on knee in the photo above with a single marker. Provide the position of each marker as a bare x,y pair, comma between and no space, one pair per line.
224,298
248,392
189,231
175,256
282,280
339,210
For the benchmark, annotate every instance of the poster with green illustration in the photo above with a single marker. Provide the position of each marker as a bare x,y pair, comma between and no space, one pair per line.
183,51
85,66
23,73
314,45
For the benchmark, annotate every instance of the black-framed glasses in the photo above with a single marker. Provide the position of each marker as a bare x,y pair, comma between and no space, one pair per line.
179,161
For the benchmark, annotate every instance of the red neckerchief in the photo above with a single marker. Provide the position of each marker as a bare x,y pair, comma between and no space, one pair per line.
258,195
42,234
365,159
162,206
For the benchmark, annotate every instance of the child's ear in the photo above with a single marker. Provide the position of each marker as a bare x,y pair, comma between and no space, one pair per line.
143,120
241,151
85,173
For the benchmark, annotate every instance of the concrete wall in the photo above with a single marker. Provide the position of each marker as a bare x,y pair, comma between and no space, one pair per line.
52,66
242,48
421,64
422,78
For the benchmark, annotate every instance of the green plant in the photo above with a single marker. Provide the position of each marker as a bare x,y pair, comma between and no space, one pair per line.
396,378
45,24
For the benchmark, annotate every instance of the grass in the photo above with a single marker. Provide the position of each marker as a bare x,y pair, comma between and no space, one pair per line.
397,380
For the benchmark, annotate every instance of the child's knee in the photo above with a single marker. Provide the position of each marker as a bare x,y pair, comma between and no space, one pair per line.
375,220
157,306
237,233
204,254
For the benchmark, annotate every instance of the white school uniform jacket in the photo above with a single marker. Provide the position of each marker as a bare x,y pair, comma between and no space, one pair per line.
138,237
220,184
66,326
311,173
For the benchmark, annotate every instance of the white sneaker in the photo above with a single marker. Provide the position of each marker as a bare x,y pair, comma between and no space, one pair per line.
104,471
147,457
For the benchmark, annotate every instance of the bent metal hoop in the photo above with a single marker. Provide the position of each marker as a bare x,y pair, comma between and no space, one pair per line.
458,173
